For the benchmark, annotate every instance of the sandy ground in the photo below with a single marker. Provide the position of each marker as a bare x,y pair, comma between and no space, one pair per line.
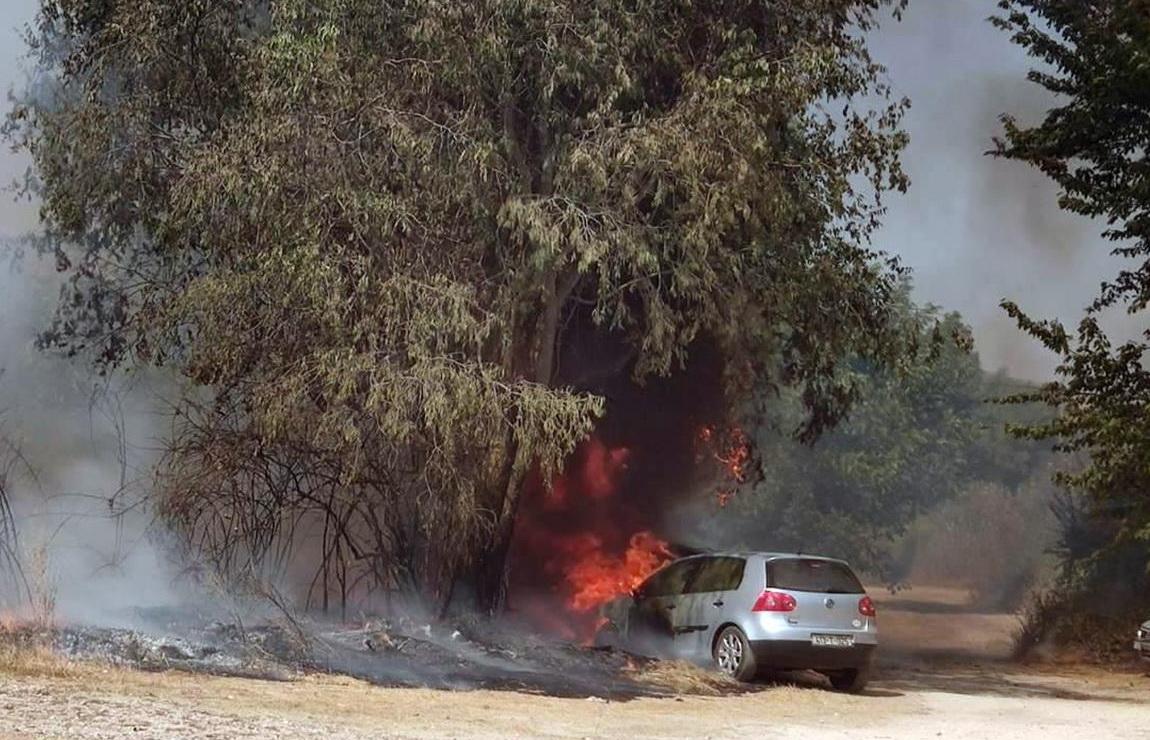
941,676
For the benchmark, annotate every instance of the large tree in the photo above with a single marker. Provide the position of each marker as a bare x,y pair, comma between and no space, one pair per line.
1095,58
368,232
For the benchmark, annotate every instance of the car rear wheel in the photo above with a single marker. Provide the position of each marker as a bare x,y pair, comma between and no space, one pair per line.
851,681
733,655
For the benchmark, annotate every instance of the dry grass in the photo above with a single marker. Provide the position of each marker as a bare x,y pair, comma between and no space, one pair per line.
42,585
682,677
24,660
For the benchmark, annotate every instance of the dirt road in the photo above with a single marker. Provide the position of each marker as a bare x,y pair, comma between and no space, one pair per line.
942,676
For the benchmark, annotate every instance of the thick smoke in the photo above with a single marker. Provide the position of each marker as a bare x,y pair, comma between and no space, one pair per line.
977,230
86,542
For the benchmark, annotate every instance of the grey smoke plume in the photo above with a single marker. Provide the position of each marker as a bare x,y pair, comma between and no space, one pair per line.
977,230
89,443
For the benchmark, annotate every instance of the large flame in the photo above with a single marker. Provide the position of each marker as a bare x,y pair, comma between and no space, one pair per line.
597,577
578,544
592,534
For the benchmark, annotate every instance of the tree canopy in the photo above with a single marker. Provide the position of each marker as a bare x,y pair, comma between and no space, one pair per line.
1095,57
366,233
1094,146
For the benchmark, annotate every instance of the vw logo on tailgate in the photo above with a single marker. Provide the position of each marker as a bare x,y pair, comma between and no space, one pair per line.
830,603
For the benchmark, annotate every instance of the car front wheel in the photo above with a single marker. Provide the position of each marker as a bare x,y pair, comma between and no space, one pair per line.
733,655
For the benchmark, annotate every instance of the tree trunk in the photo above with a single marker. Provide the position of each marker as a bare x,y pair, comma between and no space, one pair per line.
537,363
495,570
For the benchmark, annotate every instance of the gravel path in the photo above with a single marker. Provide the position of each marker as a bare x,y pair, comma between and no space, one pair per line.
954,701
942,675
39,709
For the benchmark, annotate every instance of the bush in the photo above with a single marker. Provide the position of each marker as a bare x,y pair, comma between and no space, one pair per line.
990,540
1057,624
1101,593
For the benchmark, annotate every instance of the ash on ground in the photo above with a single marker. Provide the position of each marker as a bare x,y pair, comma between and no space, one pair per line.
387,653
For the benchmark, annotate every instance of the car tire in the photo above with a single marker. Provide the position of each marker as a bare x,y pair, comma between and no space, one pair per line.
733,655
850,681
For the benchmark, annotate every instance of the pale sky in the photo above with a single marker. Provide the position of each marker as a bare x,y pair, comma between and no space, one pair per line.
974,230
15,218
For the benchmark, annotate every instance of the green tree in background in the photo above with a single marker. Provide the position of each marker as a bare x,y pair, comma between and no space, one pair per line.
363,231
918,438
1096,59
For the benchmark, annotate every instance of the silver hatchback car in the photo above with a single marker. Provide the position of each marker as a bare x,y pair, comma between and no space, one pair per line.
749,611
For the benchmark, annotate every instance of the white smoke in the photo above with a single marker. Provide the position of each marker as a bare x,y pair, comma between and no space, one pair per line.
86,535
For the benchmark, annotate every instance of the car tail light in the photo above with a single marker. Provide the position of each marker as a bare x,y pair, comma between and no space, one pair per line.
866,607
774,601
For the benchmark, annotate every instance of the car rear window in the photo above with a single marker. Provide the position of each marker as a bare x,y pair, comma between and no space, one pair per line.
807,574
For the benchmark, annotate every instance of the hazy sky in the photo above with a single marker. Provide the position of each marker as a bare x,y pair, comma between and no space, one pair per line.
975,230
15,218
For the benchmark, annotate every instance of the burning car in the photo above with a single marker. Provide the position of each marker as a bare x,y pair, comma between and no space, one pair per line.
745,612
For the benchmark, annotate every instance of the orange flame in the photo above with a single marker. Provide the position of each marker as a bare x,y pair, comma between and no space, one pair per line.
573,534
732,450
581,544
597,577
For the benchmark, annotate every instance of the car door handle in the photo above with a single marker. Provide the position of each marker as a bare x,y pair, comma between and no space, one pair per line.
717,604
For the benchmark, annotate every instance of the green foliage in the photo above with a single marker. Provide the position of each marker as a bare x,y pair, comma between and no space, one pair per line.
921,436
1096,58
366,228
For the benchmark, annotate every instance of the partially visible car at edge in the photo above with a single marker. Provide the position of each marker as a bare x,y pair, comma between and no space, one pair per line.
745,612
1142,640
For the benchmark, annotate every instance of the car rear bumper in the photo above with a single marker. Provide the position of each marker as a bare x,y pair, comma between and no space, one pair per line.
1143,649
802,655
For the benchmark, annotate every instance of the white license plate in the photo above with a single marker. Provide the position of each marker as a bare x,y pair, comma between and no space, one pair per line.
839,641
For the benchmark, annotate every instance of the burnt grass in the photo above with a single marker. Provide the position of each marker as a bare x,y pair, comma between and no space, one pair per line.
400,654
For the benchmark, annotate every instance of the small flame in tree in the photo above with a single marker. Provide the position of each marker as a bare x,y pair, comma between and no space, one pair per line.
731,449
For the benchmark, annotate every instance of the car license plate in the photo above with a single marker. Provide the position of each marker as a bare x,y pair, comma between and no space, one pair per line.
838,641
